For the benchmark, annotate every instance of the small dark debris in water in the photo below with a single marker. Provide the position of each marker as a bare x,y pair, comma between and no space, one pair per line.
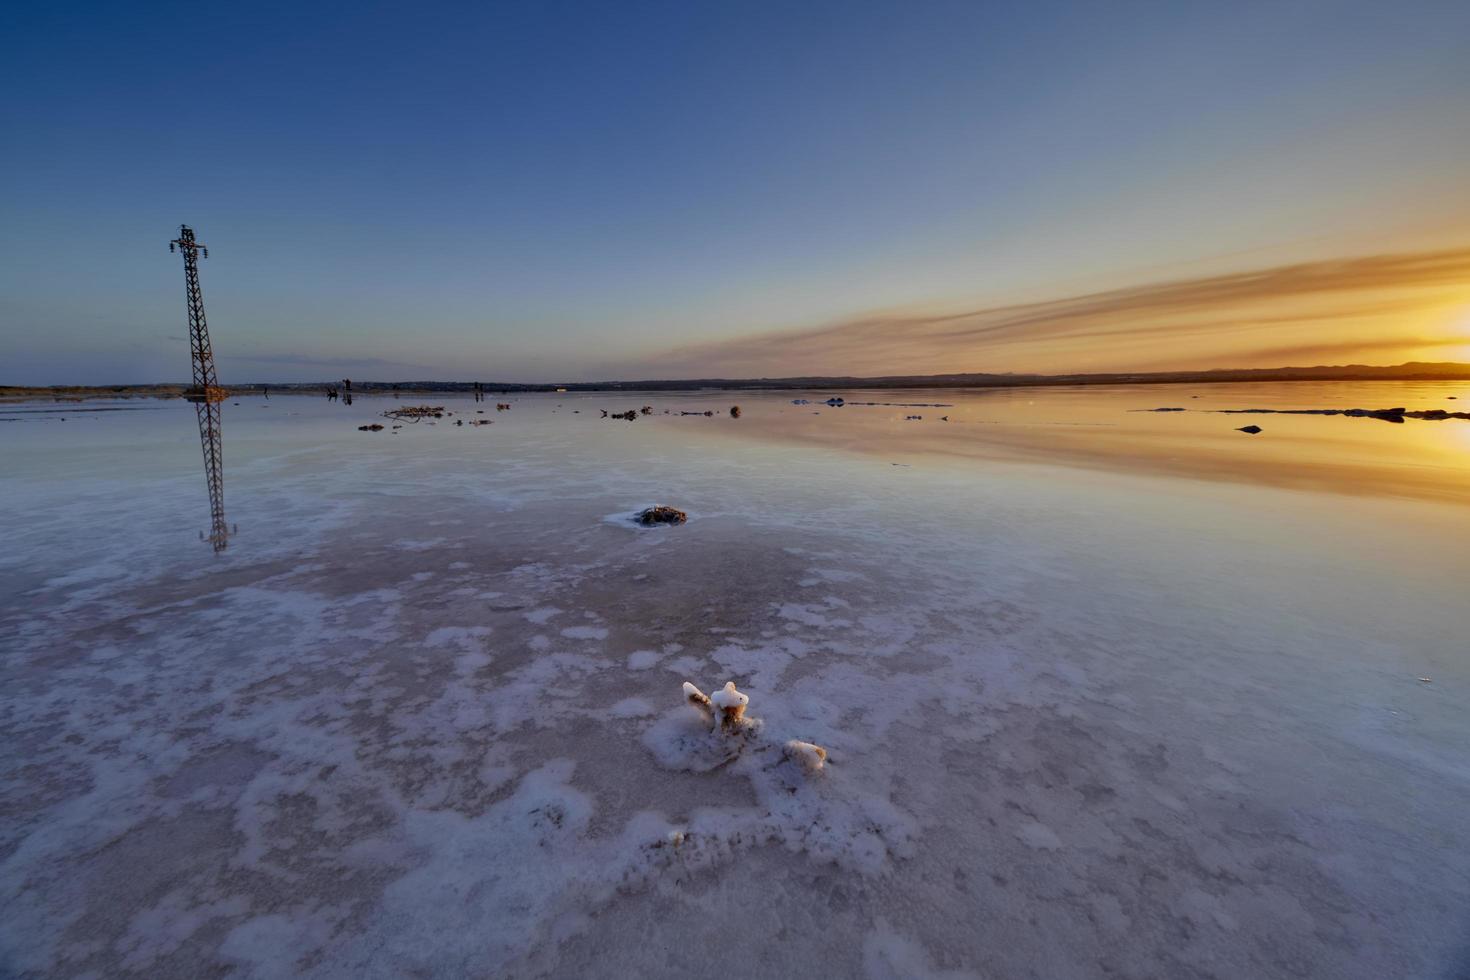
801,401
1394,415
662,515
1160,410
900,464
836,402
629,415
734,411
413,413
646,410
903,404
913,418
459,422
375,427
1252,429
944,418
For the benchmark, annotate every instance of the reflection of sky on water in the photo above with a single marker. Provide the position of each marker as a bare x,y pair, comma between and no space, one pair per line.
1110,428
1083,651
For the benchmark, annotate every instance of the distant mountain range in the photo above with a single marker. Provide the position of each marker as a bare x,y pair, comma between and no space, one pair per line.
1412,371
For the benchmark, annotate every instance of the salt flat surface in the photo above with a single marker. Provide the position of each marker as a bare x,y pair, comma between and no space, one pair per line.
1144,705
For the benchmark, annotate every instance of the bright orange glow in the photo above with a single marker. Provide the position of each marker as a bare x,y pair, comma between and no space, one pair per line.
1382,309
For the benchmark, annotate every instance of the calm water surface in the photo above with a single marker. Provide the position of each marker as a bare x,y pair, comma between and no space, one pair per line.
1107,691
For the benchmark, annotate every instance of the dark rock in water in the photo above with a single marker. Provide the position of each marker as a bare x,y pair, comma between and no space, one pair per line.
836,402
629,415
646,410
734,411
662,515
1386,414
803,401
375,427
1164,410
1252,429
1394,415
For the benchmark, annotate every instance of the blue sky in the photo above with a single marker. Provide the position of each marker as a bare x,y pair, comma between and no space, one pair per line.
549,191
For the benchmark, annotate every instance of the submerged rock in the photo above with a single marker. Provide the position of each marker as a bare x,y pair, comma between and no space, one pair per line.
662,515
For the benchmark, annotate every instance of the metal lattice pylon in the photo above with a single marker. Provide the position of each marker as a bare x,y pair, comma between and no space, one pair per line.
205,392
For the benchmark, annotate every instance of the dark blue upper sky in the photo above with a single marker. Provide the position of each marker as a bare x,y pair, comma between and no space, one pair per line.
544,190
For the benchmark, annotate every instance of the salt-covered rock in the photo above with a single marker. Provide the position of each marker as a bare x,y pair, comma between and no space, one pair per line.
729,705
811,757
662,515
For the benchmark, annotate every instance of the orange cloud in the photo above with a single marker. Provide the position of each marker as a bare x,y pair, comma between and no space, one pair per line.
1385,306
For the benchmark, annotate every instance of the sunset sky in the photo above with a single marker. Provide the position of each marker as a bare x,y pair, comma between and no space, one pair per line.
559,191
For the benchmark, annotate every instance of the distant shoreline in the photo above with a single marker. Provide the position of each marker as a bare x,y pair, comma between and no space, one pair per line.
1413,371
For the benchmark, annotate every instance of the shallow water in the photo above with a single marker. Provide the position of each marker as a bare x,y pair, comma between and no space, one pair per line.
1105,690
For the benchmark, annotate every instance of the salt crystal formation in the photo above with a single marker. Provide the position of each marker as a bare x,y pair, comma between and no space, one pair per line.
729,705
724,711
811,757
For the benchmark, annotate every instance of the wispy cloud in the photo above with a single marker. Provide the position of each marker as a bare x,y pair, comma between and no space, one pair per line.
301,360
1371,305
